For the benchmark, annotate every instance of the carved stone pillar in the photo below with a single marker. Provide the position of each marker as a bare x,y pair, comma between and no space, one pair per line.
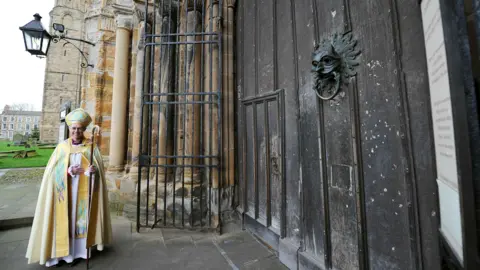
189,84
167,60
140,71
120,89
211,85
229,92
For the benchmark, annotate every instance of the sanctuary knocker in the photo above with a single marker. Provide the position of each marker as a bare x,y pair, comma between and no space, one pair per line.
333,63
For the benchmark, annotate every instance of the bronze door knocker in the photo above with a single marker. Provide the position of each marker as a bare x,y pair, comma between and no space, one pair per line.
333,63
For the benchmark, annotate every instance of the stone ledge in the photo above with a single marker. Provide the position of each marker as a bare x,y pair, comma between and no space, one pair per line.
112,168
14,223
307,261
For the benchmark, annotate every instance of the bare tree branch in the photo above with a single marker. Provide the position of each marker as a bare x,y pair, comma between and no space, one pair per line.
22,107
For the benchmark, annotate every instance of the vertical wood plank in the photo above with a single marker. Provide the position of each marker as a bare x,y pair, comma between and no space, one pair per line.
288,80
313,206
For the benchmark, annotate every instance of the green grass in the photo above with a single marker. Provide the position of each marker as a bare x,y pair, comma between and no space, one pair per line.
40,160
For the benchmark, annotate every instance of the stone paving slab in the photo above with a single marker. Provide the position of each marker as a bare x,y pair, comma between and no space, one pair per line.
150,249
18,200
18,196
155,249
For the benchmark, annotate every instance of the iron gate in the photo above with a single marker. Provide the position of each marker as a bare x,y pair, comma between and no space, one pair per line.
180,140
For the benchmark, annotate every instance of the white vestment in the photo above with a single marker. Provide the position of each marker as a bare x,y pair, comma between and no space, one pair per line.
77,245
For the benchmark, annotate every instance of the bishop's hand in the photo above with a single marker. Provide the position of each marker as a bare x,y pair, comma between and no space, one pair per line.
92,169
77,170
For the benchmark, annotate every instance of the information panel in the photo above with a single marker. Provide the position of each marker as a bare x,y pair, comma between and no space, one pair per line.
443,128
61,132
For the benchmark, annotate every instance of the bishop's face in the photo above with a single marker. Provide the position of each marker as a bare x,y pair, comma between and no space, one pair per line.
76,132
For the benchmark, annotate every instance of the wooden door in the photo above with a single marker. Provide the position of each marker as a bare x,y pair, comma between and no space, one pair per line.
355,187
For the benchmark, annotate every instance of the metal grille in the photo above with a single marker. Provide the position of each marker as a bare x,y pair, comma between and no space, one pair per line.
180,141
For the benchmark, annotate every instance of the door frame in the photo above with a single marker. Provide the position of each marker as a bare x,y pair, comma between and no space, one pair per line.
465,120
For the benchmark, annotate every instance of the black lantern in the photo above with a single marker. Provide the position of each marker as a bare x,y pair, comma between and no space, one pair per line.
37,39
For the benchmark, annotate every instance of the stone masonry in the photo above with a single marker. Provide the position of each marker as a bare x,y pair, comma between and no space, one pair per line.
112,90
63,73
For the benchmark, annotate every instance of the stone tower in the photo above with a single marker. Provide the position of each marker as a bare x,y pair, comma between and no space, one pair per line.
63,73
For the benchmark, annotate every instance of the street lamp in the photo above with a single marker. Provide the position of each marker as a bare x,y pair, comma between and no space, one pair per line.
37,39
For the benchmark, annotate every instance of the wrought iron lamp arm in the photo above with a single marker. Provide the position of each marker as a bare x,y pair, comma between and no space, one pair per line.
76,39
56,39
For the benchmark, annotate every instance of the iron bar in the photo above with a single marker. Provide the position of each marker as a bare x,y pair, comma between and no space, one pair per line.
178,102
210,124
192,218
181,94
158,119
139,179
180,43
180,156
181,166
186,34
220,116
176,110
202,120
166,169
185,95
152,108
185,89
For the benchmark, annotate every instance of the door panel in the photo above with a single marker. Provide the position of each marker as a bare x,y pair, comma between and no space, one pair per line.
263,144
250,161
260,168
337,179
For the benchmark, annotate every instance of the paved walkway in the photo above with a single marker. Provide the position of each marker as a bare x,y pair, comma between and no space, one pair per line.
156,249
150,249
18,200
18,196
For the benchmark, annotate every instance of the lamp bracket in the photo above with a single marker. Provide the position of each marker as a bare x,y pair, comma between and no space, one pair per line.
66,40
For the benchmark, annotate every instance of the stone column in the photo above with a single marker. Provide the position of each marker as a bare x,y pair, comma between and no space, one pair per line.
166,85
190,83
120,89
211,85
211,111
229,91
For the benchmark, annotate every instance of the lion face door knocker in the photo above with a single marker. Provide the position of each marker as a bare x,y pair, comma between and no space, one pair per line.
333,63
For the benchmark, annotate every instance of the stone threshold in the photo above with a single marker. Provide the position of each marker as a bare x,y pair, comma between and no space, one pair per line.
15,223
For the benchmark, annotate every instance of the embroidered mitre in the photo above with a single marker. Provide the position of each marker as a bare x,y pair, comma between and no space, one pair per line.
78,116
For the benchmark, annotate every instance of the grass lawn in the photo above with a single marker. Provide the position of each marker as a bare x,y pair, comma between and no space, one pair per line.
40,160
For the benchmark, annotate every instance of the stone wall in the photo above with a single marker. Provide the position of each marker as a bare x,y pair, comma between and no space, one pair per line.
63,72
114,100
98,83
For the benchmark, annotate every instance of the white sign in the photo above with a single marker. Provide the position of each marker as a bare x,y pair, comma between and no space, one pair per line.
443,128
61,132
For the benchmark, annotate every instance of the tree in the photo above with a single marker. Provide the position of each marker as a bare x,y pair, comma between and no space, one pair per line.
22,107
35,134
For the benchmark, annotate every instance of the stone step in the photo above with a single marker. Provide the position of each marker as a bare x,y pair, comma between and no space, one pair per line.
185,207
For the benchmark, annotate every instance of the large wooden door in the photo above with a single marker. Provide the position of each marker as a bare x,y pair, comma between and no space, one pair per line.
348,183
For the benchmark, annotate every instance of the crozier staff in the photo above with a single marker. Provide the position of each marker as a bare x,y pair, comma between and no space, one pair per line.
62,227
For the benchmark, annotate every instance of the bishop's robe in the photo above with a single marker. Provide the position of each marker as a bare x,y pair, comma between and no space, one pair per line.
61,216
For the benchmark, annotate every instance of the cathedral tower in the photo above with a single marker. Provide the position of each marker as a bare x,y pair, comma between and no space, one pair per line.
63,73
